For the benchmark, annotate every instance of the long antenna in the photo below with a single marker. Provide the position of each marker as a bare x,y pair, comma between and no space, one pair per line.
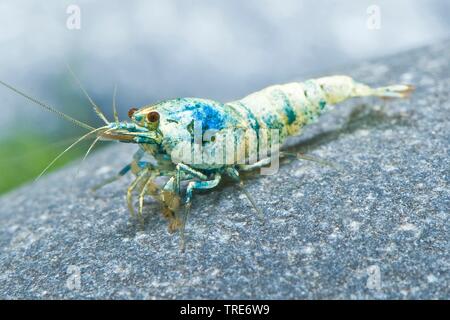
116,117
45,106
70,147
97,109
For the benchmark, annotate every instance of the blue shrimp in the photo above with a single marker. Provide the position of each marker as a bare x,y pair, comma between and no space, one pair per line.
199,140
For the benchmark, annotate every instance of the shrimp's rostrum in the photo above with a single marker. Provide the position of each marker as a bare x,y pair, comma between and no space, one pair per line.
167,129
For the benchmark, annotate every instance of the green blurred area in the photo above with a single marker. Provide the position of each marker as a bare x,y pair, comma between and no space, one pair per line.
25,156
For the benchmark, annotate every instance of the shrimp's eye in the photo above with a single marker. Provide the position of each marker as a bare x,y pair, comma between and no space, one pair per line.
131,112
153,116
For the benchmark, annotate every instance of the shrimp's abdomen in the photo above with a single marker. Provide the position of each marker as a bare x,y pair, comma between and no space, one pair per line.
289,107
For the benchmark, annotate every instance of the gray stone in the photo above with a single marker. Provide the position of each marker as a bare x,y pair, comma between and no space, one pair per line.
379,229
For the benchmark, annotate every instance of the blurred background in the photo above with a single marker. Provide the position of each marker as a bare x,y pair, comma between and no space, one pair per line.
163,49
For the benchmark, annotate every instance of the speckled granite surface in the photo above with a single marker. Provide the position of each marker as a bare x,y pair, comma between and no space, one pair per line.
378,230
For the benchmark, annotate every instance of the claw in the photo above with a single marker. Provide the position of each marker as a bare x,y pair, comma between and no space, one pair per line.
171,200
174,221
170,206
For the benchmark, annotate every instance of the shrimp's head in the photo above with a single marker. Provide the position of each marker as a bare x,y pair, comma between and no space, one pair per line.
142,129
170,127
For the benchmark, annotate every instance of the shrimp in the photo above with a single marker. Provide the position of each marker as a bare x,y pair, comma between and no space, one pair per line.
198,141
